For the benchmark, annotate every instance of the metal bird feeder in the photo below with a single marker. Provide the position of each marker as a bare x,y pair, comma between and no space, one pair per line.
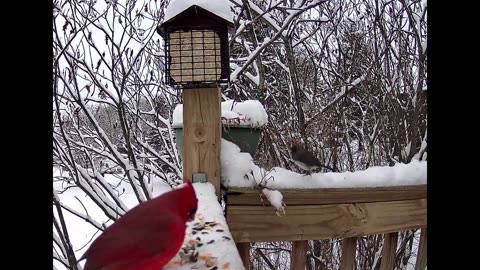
196,49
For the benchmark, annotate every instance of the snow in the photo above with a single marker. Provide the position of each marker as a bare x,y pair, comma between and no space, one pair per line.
276,199
239,170
323,18
252,55
177,116
221,8
216,242
266,16
249,113
424,4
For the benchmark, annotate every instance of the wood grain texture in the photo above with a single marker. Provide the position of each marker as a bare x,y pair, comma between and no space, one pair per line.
244,251
298,257
312,222
389,251
349,250
250,196
202,134
422,251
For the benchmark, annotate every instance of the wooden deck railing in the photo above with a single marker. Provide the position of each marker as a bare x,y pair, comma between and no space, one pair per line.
341,213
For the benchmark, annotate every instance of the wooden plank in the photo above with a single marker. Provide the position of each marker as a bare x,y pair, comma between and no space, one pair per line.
202,134
260,224
244,250
389,251
250,196
349,250
422,251
298,257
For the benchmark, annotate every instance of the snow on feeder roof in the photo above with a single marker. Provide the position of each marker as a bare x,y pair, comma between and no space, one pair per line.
221,8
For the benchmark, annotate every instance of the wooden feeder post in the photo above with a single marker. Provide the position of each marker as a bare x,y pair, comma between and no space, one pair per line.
197,62
202,135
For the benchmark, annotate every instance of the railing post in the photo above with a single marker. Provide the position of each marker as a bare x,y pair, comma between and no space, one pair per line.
389,251
422,251
298,257
244,251
349,248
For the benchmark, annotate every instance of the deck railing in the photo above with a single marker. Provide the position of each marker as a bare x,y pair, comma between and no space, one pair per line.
335,213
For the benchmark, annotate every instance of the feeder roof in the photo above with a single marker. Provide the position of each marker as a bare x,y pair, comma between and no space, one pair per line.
221,8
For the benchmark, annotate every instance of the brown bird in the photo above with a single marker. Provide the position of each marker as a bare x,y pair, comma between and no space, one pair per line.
304,158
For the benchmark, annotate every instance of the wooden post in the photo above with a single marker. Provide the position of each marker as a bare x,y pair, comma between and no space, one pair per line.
244,251
298,257
202,134
349,249
422,251
389,251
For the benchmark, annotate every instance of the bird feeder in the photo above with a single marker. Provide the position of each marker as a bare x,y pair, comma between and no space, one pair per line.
196,47
197,59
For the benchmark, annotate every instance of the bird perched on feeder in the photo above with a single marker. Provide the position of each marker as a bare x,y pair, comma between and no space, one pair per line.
303,158
146,237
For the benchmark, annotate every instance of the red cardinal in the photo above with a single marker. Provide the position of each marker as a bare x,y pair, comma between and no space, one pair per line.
148,236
